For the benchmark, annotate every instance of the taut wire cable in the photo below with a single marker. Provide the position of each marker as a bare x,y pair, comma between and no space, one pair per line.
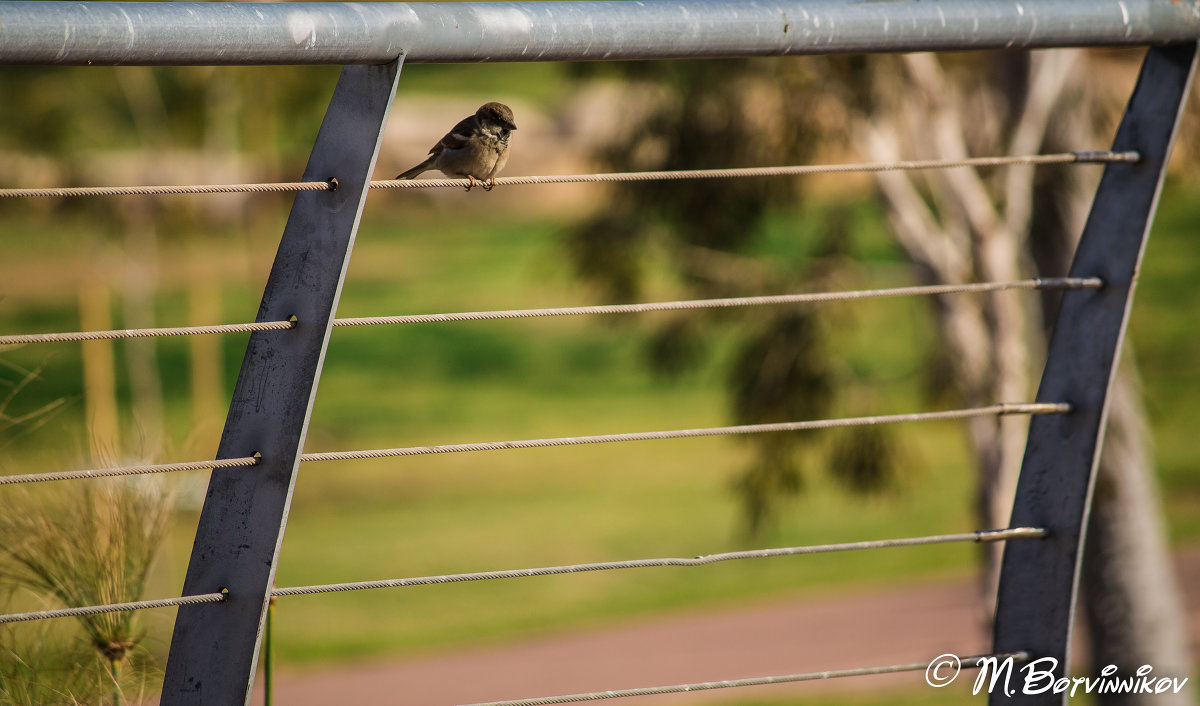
1083,157
168,190
111,608
996,409
979,536
145,332
973,662
128,470
729,302
1079,157
598,309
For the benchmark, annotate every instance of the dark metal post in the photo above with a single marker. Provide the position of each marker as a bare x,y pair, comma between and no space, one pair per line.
1038,579
214,648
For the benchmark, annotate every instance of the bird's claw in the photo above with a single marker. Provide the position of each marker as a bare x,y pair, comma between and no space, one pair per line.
490,184
470,182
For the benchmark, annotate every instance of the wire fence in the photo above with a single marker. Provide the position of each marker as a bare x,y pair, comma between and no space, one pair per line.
296,326
1064,283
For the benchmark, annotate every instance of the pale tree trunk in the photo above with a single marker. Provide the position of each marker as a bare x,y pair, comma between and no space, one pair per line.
949,224
99,380
141,354
1131,602
959,226
140,277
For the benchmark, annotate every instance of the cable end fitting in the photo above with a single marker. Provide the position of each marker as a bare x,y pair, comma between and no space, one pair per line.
1107,156
1068,283
1000,535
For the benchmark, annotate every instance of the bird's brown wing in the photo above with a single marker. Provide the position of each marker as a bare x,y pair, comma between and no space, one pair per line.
455,139
458,135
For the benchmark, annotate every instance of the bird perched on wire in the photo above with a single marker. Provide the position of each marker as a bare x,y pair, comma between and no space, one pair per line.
476,148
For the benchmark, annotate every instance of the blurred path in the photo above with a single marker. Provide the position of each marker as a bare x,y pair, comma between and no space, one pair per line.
879,626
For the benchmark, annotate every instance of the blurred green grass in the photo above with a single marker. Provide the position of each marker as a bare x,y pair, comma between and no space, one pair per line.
448,383
1166,342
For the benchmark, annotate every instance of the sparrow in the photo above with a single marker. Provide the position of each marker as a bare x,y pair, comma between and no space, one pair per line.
476,148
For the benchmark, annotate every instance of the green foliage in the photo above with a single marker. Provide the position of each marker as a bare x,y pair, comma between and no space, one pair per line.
32,669
728,114
13,421
863,460
67,112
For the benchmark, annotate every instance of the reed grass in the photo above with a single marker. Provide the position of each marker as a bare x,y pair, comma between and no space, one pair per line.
90,543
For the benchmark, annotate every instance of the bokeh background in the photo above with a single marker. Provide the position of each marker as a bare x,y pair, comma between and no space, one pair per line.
96,263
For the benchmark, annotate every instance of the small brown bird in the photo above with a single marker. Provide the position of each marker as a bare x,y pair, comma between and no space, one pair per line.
476,148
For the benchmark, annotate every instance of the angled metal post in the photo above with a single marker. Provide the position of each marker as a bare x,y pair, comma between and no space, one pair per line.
214,650
1039,579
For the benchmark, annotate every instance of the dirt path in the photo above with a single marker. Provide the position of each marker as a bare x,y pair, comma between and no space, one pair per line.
895,625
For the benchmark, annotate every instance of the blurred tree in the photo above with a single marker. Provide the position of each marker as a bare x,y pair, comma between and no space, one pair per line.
730,113
964,224
134,125
956,226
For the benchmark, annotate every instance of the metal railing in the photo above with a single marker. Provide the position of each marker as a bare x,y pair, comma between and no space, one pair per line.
375,33
233,562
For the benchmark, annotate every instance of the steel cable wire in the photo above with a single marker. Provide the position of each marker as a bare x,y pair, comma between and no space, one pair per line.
168,190
730,302
597,309
145,332
112,608
1078,157
1004,408
996,409
1082,157
128,470
703,560
972,662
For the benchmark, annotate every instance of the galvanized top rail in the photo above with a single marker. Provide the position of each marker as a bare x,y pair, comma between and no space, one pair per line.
165,33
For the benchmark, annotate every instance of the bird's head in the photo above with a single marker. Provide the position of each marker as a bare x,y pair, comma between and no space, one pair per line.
496,114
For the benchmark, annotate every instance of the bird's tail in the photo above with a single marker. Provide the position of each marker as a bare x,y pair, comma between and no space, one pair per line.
420,168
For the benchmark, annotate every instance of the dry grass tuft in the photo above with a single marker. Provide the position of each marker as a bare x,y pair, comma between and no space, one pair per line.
87,543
